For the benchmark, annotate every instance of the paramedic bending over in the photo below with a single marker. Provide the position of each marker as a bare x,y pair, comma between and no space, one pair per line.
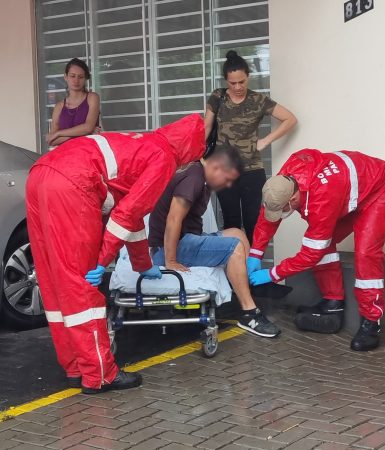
68,191
239,115
78,114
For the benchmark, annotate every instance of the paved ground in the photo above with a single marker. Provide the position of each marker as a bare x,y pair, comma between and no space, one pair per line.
299,392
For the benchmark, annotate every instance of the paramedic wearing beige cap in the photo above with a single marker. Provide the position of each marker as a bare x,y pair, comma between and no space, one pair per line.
337,194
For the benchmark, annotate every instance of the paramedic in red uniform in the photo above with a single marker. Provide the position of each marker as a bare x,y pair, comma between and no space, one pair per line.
337,194
68,192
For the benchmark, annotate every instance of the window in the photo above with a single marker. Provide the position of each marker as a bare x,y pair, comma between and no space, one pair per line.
152,61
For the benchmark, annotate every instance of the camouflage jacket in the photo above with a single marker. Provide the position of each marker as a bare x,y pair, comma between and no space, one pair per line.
238,124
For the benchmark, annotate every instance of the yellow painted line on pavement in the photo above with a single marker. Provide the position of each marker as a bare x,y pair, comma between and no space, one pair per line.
177,352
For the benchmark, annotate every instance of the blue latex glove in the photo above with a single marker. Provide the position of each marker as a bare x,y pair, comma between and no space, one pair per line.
153,273
253,264
260,277
95,276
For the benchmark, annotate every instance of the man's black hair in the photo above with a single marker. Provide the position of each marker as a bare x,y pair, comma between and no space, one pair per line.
230,155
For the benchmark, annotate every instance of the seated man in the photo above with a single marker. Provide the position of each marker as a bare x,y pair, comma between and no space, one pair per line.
176,237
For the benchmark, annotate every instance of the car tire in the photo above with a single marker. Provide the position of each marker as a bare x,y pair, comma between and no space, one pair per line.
21,301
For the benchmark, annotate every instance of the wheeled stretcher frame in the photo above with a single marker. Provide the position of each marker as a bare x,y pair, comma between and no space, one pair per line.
122,306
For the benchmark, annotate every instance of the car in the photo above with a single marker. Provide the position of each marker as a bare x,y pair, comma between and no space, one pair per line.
20,301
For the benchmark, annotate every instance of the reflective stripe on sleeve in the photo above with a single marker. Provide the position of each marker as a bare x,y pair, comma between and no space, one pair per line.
108,204
108,154
253,251
123,234
274,274
316,244
329,258
353,198
85,316
369,284
54,316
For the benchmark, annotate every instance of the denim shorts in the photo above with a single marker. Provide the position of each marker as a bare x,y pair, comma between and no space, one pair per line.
206,250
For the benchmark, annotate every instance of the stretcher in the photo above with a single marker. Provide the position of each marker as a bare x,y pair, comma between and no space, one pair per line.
178,298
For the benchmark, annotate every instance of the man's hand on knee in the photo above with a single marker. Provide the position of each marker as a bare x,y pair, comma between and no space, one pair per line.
174,265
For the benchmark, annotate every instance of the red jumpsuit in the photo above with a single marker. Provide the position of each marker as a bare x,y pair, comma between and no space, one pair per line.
340,193
68,191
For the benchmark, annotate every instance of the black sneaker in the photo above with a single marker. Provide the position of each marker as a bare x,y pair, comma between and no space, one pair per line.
324,307
367,336
74,382
124,380
258,324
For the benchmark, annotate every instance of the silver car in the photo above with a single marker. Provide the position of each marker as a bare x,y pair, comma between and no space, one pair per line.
20,301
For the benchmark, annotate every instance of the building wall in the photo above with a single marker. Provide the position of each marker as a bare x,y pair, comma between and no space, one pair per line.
17,78
331,75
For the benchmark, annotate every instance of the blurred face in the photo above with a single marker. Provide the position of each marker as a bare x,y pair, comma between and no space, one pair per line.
294,203
218,176
75,79
237,83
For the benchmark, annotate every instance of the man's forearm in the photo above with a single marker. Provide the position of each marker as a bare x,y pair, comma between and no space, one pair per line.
171,239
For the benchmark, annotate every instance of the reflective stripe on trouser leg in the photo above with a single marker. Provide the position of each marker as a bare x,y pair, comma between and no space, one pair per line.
69,218
369,238
328,274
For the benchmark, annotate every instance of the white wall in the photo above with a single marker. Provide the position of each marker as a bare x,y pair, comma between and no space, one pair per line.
331,74
17,81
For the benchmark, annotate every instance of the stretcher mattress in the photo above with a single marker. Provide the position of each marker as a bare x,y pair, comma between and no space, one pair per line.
198,280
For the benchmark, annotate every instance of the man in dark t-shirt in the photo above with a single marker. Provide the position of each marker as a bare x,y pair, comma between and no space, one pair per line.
176,233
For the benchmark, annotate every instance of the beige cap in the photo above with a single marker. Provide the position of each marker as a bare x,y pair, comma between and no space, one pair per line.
276,194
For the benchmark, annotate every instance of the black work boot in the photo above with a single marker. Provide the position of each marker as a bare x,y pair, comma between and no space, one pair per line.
324,317
123,380
74,382
325,306
367,336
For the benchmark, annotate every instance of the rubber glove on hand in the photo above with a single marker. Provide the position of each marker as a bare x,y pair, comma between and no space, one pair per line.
95,276
253,264
152,274
260,277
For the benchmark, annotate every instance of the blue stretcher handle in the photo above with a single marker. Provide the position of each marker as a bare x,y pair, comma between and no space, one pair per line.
182,290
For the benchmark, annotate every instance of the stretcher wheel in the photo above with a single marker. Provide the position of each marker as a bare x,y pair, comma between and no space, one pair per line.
209,346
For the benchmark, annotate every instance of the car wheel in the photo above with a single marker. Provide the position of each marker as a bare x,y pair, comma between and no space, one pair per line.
21,303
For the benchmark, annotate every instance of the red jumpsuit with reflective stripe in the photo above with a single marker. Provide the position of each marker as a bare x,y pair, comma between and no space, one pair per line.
67,192
340,193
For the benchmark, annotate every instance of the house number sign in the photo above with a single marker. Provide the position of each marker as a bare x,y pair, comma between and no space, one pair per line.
355,8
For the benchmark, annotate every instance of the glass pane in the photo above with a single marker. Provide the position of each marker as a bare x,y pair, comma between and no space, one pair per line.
175,73
182,104
125,124
179,23
119,93
177,7
175,89
236,15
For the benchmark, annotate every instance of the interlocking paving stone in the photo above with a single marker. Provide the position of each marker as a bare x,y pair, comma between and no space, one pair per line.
108,433
333,437
373,441
106,444
218,441
180,438
179,427
262,444
364,429
69,441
